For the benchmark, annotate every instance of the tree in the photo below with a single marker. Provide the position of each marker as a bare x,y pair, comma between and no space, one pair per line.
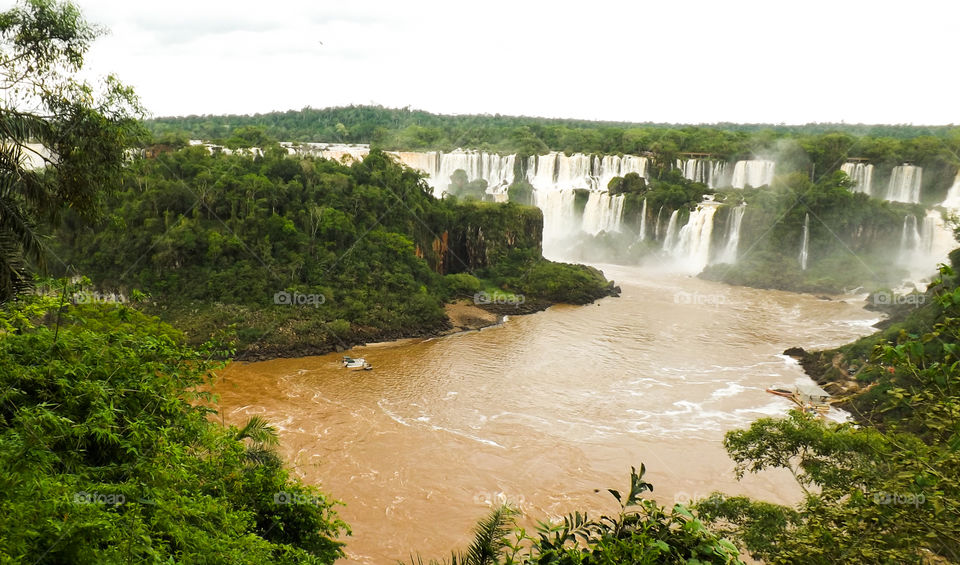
630,183
63,139
462,188
521,192
111,452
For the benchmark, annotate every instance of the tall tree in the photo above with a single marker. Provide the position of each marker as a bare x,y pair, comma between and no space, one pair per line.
62,139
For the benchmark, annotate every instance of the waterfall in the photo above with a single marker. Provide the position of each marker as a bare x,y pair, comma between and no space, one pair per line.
924,244
556,171
496,169
643,221
704,171
862,176
952,201
610,166
754,173
729,252
656,227
691,246
905,184
805,246
559,213
671,236
426,162
602,213
911,242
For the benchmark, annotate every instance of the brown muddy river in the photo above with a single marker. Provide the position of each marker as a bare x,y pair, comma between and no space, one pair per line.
542,410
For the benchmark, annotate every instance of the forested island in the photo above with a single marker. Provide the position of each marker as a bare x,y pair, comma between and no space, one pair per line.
134,264
219,242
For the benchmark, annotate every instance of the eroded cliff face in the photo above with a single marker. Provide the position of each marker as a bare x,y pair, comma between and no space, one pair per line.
478,235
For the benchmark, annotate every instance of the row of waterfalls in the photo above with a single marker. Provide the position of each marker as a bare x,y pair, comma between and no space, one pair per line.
558,171
571,190
903,186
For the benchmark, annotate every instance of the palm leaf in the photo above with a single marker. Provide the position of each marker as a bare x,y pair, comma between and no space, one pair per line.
490,538
259,431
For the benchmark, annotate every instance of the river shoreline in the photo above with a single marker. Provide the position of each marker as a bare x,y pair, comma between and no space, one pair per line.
544,411
462,316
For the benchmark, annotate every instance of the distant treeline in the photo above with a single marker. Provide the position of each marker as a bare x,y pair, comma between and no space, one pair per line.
404,128
372,124
813,148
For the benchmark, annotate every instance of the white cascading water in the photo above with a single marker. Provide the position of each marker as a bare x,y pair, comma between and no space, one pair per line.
911,242
496,169
559,213
706,171
643,221
952,201
556,171
862,176
425,161
670,237
691,246
923,245
611,166
805,246
755,173
905,184
729,252
602,213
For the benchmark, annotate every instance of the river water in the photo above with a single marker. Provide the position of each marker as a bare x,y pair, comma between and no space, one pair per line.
542,411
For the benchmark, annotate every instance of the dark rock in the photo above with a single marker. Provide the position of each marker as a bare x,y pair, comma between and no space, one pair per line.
797,352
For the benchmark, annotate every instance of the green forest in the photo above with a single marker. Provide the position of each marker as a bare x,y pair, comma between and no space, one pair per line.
213,239
133,267
817,149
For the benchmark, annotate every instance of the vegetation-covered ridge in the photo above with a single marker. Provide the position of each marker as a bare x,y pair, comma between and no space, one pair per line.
817,149
373,124
296,256
882,489
110,452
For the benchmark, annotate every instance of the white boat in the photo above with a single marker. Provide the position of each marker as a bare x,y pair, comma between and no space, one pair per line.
358,364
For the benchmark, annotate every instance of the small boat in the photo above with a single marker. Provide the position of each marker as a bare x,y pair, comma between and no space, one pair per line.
358,364
808,398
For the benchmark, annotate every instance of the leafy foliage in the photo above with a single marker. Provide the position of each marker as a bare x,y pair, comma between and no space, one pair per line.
882,493
642,533
853,238
63,140
235,238
108,453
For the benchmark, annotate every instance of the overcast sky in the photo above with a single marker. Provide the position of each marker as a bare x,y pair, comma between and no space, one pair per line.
678,61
